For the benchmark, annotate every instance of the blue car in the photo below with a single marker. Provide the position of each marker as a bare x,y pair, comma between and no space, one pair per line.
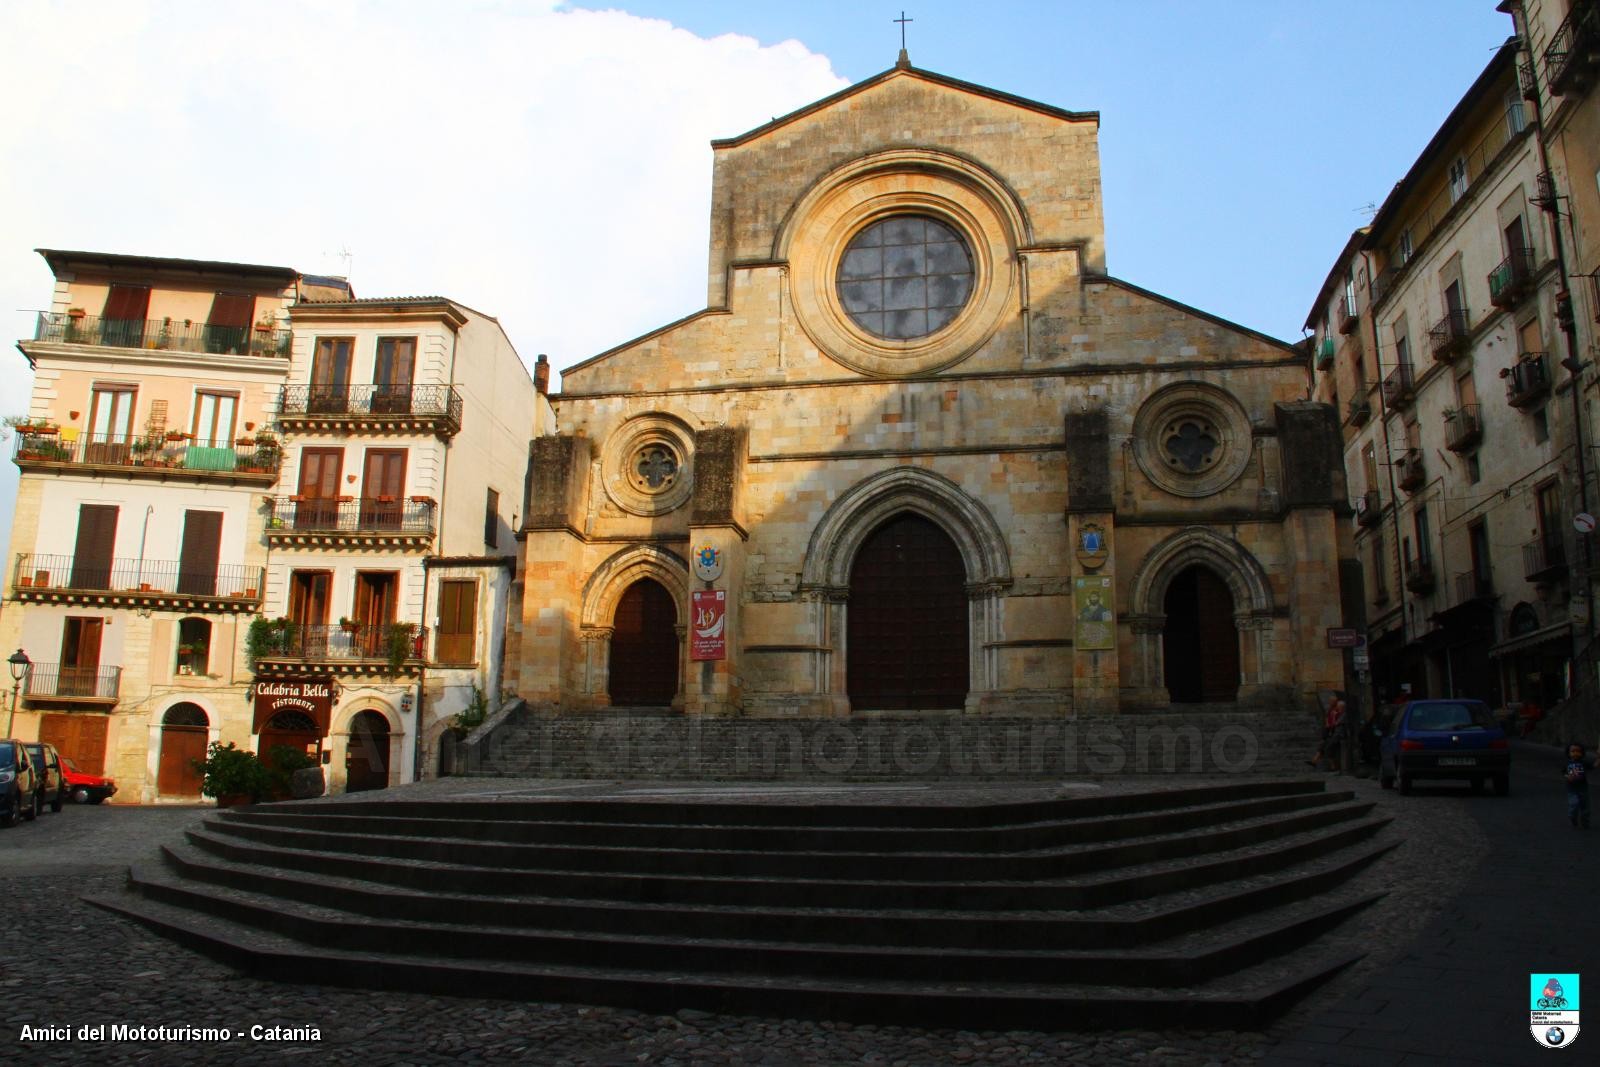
1436,739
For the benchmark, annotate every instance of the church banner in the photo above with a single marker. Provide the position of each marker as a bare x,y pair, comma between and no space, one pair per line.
309,696
1095,628
708,635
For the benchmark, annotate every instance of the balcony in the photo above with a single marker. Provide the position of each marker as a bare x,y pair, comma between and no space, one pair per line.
51,683
1419,575
144,583
1544,558
1512,279
1450,336
1528,81
162,335
336,648
1528,379
1398,388
1348,318
1545,197
168,457
1360,409
1473,586
346,522
434,409
1325,353
1463,429
1369,508
1408,470
1573,55
1383,282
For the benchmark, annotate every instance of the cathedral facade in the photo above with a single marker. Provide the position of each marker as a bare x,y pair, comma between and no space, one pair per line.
920,452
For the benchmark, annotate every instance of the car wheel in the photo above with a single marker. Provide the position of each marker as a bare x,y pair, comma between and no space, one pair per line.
80,795
13,811
31,812
1502,784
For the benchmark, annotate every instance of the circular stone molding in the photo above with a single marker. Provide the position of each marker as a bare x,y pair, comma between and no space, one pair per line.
648,466
1192,439
914,185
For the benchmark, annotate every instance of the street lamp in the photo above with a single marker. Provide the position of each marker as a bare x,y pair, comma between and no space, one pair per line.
19,663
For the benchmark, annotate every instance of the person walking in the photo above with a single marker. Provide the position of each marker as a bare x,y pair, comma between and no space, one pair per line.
1332,728
1577,775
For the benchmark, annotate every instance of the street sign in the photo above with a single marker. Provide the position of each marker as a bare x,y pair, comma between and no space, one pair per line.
1359,660
1583,522
1344,637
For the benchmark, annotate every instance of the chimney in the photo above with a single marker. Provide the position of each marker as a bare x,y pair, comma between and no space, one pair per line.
541,375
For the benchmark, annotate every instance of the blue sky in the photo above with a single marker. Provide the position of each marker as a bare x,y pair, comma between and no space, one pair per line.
548,163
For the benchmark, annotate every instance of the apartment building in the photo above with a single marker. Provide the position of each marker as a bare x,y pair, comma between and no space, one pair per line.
1438,335
138,550
405,425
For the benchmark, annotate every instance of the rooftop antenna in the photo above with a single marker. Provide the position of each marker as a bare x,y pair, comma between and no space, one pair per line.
905,57
1369,209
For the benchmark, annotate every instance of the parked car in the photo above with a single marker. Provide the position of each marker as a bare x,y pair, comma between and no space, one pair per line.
1437,739
83,787
52,790
19,784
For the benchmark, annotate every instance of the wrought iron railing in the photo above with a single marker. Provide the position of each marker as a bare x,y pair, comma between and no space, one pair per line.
410,515
1543,555
170,452
1510,278
1527,379
1418,574
1409,472
1369,508
345,642
1449,335
1474,585
167,335
77,574
1348,317
1462,428
437,401
47,680
1325,353
1573,47
1397,387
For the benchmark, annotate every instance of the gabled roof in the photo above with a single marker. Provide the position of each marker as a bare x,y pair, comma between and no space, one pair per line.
907,72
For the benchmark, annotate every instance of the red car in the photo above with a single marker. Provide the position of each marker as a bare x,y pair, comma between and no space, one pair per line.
85,788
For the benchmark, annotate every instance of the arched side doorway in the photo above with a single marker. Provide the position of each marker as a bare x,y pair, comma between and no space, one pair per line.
185,729
366,757
1200,643
906,620
294,729
644,647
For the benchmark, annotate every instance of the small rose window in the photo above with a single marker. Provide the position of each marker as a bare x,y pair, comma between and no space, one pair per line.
1190,444
654,468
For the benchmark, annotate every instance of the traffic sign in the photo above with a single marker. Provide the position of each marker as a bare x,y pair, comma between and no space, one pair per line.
1583,522
1359,660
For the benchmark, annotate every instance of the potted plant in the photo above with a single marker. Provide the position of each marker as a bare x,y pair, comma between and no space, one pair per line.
266,637
348,625
399,644
233,775
177,435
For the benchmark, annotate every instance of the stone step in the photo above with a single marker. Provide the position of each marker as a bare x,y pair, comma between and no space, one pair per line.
329,928
1019,837
925,1003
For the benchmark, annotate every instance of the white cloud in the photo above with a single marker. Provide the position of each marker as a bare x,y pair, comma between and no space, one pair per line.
546,165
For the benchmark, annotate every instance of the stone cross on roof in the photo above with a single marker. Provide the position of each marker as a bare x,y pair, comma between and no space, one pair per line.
905,57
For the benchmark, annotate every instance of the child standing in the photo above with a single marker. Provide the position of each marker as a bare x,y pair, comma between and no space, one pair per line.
1577,785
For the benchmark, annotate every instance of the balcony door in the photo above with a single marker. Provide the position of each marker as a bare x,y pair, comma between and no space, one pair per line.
228,325
383,487
122,321
110,424
80,656
309,595
318,508
458,615
330,376
97,541
375,608
392,374
215,415
201,551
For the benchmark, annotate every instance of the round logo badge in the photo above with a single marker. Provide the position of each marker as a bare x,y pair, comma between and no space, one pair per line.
708,563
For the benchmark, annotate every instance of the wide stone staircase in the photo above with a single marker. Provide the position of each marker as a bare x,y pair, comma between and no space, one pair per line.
1196,906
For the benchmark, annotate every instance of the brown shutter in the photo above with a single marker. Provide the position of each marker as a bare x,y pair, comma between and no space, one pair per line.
232,309
202,547
458,610
128,303
97,540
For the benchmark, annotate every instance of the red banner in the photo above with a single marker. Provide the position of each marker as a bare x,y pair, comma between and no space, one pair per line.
708,634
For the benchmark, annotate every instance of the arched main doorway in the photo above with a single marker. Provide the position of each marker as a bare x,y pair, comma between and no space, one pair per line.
185,729
291,728
366,756
907,620
1200,645
644,647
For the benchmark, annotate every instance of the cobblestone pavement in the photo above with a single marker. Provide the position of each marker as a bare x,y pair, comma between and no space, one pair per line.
98,970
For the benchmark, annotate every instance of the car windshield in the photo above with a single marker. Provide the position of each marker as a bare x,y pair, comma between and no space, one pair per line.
1450,716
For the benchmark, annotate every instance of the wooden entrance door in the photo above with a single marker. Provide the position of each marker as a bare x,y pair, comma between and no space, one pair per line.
318,508
907,638
292,729
644,647
366,759
82,738
376,596
309,593
80,656
383,487
458,621
184,733
391,375
202,547
1200,645
97,540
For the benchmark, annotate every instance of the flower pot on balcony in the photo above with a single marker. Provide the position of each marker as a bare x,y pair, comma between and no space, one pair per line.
250,593
75,313
41,578
24,582
144,587
175,435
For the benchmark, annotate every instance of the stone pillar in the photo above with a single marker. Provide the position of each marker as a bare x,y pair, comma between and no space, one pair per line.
716,522
1311,454
1096,675
546,656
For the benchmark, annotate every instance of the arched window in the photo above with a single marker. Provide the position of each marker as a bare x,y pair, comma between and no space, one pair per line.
194,647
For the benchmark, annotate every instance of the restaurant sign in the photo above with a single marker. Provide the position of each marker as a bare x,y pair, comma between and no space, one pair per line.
308,696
